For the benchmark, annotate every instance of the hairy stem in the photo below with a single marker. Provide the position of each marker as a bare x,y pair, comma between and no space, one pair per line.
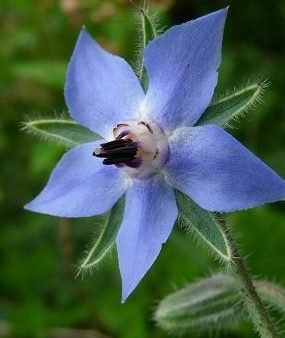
256,309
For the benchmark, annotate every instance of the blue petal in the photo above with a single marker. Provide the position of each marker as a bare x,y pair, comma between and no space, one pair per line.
80,186
218,172
101,89
182,68
150,214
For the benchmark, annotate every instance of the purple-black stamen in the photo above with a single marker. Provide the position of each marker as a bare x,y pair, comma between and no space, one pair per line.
118,151
119,160
123,134
114,144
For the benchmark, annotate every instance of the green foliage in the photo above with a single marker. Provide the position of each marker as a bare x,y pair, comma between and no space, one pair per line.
107,238
45,72
60,131
148,31
202,307
37,287
204,226
231,107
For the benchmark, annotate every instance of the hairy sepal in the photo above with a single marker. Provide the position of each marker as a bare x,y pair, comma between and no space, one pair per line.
212,304
106,240
272,294
60,131
204,226
225,110
148,30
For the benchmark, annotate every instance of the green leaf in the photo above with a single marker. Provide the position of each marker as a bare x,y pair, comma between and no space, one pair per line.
107,238
272,294
148,32
51,73
229,108
203,224
60,131
205,306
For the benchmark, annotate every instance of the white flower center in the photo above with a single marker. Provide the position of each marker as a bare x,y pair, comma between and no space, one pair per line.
140,148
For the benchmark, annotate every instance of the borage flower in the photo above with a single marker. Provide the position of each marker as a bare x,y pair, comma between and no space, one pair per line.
150,145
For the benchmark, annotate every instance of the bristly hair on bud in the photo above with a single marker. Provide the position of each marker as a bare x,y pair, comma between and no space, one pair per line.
206,307
148,29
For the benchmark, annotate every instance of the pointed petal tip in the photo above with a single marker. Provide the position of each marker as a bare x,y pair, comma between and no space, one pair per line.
93,76
226,10
223,12
35,206
124,298
83,37
142,232
220,14
198,43
126,292
84,33
71,191
27,206
226,177
30,206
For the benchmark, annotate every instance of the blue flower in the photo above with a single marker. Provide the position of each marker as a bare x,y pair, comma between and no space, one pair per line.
150,145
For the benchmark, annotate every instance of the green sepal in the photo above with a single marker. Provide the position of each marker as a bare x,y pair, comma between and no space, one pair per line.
202,307
60,131
204,225
148,33
107,238
232,106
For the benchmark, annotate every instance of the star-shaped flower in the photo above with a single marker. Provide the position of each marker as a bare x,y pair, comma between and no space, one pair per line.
150,145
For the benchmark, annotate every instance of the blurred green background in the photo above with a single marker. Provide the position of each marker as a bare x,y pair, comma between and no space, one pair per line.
39,255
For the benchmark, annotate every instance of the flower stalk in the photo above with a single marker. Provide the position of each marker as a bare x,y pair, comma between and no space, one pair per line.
254,305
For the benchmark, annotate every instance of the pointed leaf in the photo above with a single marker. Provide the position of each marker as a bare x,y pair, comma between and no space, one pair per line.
224,110
148,32
209,304
107,238
60,131
204,225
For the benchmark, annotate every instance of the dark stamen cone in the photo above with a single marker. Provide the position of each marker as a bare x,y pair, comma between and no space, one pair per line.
124,160
117,151
114,144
